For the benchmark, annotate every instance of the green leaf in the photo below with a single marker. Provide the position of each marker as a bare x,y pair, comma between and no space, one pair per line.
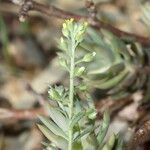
95,36
77,146
53,93
49,146
89,142
59,141
53,127
4,39
117,46
91,113
59,118
57,93
63,44
108,72
63,63
81,87
103,129
3,33
76,118
112,82
119,143
89,57
79,71
87,130
146,15
110,144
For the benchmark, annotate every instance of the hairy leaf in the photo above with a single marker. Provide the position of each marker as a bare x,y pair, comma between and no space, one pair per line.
53,127
103,129
59,141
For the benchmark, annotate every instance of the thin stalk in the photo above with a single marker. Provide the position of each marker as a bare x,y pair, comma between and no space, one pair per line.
71,91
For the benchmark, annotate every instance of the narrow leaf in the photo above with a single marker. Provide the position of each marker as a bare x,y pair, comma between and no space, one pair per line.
119,143
112,82
103,129
89,142
79,71
53,127
59,141
84,132
76,118
57,116
110,144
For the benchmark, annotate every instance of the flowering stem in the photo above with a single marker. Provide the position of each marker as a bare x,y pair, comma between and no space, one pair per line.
71,92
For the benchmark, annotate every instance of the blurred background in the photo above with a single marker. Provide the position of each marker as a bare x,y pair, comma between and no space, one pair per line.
28,64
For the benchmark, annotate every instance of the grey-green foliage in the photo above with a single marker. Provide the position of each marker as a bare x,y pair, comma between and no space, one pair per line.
115,65
146,13
72,123
4,38
114,143
4,32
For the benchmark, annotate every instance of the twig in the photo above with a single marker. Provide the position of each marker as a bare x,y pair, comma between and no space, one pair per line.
29,114
49,10
14,9
30,5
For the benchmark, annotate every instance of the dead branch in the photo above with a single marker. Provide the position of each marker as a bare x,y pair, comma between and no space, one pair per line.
28,114
30,5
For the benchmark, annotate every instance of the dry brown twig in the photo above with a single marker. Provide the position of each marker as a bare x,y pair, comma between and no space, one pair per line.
28,114
31,114
30,5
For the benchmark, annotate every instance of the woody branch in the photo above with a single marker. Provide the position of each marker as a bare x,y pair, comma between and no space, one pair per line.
30,5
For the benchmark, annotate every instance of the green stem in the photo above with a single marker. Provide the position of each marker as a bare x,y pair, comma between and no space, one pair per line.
71,92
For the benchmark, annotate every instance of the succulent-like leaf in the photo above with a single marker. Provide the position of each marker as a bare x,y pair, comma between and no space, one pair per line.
58,117
110,143
63,63
89,142
59,141
86,131
91,113
53,127
103,129
76,118
146,15
119,144
54,94
3,32
117,46
113,82
77,146
79,71
89,57
63,44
